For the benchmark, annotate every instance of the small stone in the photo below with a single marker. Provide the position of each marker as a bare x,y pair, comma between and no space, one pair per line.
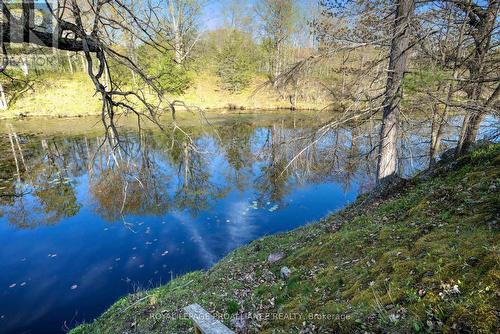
472,261
394,317
285,273
275,257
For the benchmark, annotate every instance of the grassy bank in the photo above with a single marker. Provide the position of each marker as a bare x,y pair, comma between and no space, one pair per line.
424,259
55,95
73,95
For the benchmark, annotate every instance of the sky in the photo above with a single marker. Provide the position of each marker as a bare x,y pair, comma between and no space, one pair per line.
213,11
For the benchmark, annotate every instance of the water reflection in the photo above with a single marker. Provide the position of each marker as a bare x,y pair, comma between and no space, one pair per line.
82,224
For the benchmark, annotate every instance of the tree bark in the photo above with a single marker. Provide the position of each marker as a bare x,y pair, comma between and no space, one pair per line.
387,157
70,63
3,100
439,120
482,22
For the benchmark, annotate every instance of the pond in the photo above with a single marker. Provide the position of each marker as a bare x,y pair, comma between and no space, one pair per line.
82,225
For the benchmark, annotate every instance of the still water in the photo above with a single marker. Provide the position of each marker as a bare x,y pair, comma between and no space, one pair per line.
82,225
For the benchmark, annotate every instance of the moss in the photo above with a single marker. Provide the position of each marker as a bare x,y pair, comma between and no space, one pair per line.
424,260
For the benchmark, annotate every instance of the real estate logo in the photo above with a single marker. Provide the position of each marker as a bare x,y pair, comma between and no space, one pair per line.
29,35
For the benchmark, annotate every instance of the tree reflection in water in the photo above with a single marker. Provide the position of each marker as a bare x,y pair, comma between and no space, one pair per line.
158,172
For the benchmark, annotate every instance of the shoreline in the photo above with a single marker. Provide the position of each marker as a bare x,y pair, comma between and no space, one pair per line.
6,115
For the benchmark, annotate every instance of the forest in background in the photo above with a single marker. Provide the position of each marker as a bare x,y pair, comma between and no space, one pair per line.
357,57
340,48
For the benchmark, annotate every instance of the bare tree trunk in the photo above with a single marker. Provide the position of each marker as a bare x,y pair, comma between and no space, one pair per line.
470,128
277,61
472,123
387,157
482,32
84,63
3,100
176,19
434,134
24,66
437,129
69,62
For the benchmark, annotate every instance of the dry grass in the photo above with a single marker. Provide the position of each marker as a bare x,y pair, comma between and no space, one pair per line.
72,95
61,95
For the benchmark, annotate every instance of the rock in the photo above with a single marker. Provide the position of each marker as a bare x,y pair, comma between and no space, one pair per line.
394,317
472,261
275,257
387,187
449,154
285,273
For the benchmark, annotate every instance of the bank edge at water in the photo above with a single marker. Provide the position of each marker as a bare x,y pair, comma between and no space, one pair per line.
425,259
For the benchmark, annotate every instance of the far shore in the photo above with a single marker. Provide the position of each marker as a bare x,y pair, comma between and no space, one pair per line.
72,95
180,112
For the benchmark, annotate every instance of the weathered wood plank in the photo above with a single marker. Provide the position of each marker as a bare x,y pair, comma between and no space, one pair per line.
204,322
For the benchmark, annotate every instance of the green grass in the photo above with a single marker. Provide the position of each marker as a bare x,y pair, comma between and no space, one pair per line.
424,260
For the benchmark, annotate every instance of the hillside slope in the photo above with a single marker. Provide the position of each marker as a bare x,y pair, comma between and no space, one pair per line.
425,259
72,95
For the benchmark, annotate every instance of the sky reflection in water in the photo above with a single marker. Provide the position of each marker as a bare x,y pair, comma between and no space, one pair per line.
85,233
